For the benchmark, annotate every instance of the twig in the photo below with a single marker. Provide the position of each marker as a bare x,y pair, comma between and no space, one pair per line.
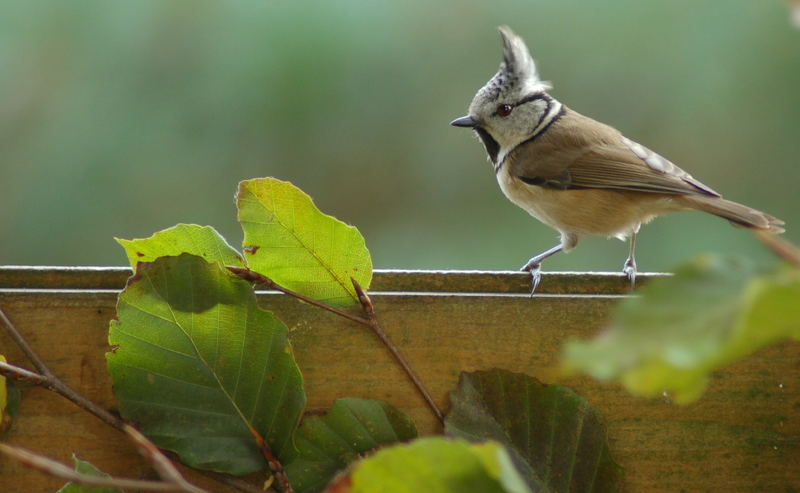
51,382
255,277
59,470
273,462
48,380
164,467
23,344
373,324
235,482
23,375
371,321
781,247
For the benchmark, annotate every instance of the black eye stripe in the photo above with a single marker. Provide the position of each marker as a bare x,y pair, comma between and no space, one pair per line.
533,97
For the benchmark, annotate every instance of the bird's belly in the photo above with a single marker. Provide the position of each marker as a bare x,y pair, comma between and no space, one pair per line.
586,212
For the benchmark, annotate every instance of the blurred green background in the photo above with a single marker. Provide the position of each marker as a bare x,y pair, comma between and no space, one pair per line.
121,118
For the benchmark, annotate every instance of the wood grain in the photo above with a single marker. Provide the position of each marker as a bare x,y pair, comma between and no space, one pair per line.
743,435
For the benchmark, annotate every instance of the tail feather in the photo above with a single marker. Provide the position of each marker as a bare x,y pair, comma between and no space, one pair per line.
738,214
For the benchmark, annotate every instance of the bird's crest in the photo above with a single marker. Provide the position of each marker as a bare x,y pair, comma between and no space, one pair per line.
517,73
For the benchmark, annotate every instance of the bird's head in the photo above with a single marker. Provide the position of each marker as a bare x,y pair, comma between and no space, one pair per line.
511,107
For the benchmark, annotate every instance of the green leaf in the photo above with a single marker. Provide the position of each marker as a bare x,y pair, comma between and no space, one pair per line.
555,438
327,444
436,465
87,468
203,241
714,311
289,240
197,365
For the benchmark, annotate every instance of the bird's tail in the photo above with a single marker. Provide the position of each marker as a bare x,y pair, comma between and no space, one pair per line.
737,214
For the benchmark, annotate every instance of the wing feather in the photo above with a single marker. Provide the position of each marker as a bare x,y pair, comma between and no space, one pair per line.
572,156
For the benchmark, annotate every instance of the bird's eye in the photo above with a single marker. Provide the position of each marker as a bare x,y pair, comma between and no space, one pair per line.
504,109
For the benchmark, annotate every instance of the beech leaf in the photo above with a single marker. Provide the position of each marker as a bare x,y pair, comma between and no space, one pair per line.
555,438
672,337
88,469
203,241
327,444
289,240
197,365
434,465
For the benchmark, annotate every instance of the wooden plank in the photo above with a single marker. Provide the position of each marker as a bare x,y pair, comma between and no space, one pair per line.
743,435
41,277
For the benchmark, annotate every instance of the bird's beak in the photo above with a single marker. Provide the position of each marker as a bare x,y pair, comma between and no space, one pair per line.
465,121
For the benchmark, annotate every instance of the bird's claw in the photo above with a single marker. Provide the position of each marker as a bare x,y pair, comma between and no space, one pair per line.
630,270
535,270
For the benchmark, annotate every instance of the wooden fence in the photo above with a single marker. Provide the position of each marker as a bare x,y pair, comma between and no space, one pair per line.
742,435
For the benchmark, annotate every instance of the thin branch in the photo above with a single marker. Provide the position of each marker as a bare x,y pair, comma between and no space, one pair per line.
371,321
59,470
164,467
273,462
255,277
237,483
48,380
22,375
781,247
51,382
375,325
23,344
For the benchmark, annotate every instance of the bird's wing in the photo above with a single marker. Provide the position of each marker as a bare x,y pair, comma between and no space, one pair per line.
600,159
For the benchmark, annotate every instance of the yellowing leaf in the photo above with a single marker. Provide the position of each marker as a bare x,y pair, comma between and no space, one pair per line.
714,311
3,390
327,444
436,465
289,240
203,241
5,419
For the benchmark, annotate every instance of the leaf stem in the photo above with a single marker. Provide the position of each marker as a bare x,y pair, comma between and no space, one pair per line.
371,321
374,324
273,462
255,277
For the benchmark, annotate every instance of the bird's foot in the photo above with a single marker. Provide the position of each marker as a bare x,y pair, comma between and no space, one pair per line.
630,270
535,269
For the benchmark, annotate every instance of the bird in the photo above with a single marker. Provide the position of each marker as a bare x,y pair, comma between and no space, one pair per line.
577,175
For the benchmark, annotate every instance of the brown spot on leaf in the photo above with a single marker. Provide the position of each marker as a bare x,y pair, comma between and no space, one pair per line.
139,254
315,412
341,483
252,249
114,348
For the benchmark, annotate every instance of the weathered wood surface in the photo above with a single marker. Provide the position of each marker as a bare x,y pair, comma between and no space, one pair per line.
743,435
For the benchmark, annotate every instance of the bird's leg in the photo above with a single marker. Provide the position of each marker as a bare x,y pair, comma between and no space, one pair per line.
630,264
534,265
